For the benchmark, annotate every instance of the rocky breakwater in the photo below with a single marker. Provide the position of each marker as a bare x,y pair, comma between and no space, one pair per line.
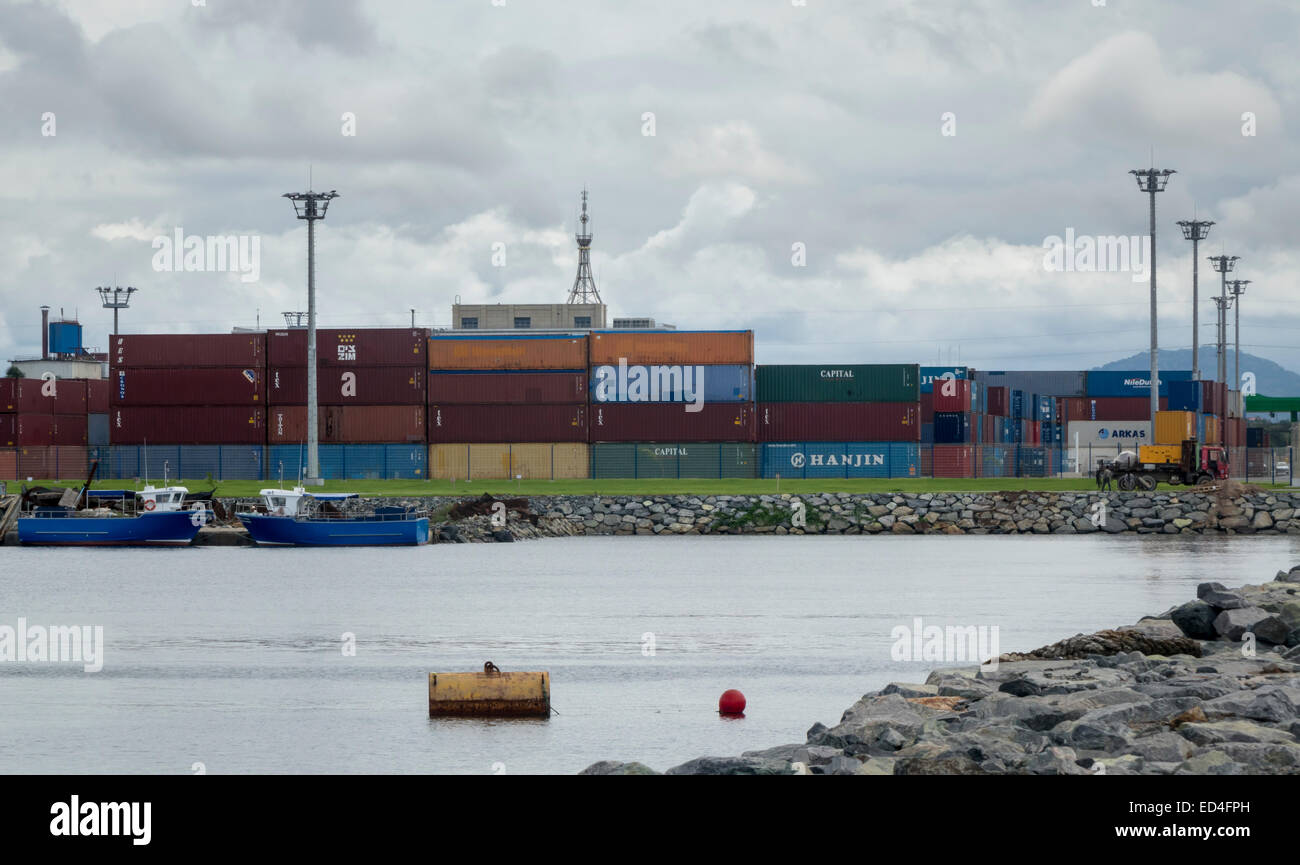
1209,687
1231,509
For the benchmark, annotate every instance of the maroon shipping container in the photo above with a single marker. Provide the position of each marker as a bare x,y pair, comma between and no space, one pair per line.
1110,408
403,346
927,407
35,430
361,385
952,461
507,423
508,388
1000,401
957,400
97,396
671,422
839,422
204,386
39,396
348,424
186,425
187,350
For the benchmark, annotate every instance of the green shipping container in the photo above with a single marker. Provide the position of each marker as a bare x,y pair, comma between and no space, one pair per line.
674,460
884,382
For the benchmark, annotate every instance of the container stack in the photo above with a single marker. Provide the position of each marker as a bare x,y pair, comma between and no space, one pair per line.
508,406
370,393
191,405
857,420
672,404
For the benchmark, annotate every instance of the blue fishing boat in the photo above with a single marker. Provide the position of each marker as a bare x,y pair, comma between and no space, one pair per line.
298,518
155,516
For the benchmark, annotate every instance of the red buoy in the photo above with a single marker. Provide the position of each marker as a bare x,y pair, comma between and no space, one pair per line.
731,702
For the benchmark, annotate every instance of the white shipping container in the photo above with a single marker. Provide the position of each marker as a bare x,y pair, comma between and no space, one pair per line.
1113,435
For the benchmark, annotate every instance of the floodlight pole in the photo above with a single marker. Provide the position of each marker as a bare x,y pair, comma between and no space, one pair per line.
1223,264
311,206
1151,181
1238,287
1195,230
115,297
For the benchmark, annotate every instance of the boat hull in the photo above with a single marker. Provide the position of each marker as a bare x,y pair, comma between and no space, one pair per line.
351,532
173,528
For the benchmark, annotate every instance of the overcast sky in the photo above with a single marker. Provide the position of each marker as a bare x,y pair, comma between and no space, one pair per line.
774,124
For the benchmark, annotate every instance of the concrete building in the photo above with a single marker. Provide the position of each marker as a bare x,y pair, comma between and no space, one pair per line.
528,316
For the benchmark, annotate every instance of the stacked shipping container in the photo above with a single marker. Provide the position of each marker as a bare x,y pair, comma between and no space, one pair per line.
839,421
672,404
187,389
508,406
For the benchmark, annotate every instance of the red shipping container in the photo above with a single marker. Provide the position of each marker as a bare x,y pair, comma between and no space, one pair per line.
204,386
1035,432
842,422
508,388
41,396
186,425
507,423
1000,401
669,422
362,385
927,407
8,459
26,429
348,424
351,348
69,429
97,396
952,395
1110,408
181,350
953,461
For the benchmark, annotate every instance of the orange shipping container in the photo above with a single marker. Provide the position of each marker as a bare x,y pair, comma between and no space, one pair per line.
1212,432
1175,427
537,351
8,465
687,347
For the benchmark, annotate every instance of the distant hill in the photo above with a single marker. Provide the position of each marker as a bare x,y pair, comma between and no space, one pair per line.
1271,379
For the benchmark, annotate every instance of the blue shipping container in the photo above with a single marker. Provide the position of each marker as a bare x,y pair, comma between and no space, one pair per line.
350,462
1185,396
684,383
1132,382
951,427
930,373
841,459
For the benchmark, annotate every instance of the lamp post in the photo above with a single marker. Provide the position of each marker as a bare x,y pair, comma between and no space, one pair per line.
311,206
115,298
1151,181
1223,264
1195,230
1238,287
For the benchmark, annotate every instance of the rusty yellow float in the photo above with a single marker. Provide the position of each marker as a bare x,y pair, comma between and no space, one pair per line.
490,693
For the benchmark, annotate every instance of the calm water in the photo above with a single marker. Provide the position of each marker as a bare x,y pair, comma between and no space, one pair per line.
231,657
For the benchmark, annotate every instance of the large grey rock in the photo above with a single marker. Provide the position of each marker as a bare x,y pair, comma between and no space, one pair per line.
1269,703
1233,624
732,766
1238,730
1196,620
615,767
877,725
